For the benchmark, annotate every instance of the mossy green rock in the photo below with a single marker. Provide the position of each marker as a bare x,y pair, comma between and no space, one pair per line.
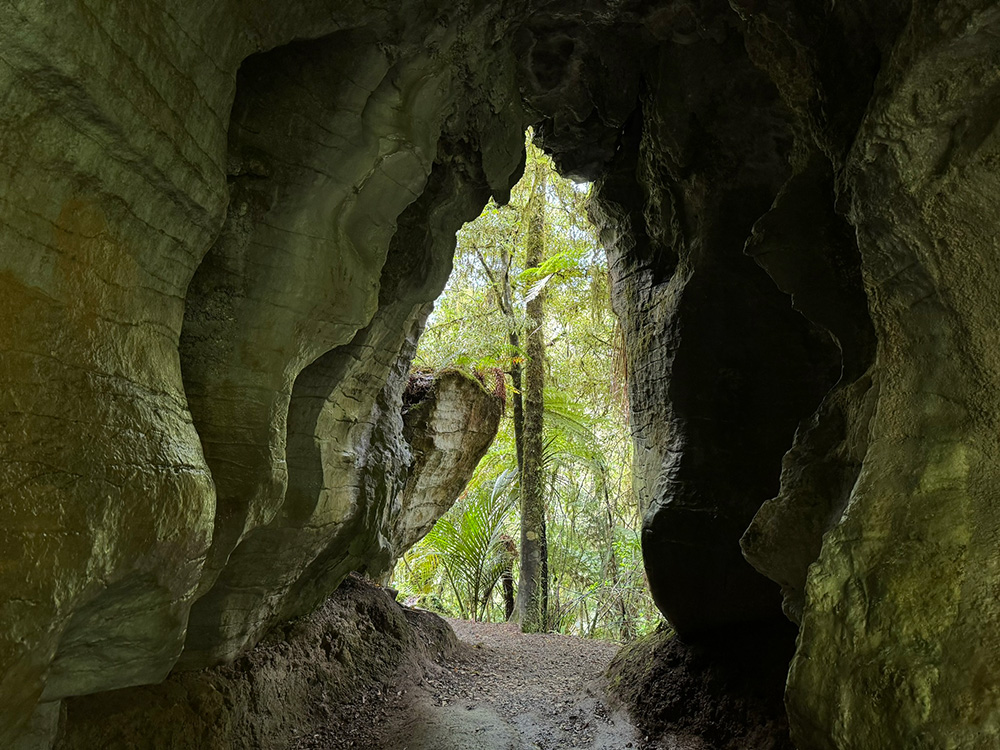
222,226
196,255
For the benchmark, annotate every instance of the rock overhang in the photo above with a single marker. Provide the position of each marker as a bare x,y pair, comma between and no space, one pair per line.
161,303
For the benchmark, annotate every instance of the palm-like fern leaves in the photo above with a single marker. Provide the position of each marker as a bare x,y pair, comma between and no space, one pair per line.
468,542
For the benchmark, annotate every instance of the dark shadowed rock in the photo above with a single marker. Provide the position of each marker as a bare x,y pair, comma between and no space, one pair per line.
723,368
720,694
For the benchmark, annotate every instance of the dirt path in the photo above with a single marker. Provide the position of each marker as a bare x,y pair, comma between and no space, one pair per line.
502,690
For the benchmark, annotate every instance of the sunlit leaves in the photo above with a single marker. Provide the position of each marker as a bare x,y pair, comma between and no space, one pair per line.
595,563
469,544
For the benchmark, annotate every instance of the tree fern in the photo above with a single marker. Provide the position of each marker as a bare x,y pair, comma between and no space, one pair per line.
468,542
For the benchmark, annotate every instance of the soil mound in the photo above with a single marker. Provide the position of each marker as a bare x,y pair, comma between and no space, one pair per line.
717,694
304,676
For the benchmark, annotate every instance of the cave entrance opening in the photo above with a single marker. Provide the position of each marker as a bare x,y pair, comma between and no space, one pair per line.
529,289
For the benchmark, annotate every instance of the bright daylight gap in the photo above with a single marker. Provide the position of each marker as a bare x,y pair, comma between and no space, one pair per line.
468,566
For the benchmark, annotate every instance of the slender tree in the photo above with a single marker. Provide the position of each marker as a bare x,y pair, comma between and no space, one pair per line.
507,577
590,542
533,587
504,293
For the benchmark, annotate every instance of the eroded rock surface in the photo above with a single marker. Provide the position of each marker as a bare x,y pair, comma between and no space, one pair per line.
722,367
902,599
198,225
876,231
450,420
221,227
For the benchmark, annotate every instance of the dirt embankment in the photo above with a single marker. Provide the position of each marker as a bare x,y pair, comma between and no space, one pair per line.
501,690
720,694
304,676
364,673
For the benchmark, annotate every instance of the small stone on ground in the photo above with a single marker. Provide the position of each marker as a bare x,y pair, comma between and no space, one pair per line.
502,690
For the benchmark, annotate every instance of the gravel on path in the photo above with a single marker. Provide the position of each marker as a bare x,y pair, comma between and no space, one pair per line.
546,689
500,690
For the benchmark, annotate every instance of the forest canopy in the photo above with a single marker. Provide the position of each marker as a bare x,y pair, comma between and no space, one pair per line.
532,274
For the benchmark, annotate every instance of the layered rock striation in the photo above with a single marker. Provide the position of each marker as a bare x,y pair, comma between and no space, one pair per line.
450,419
221,227
220,233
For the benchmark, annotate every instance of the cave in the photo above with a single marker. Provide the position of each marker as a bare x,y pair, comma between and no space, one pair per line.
222,227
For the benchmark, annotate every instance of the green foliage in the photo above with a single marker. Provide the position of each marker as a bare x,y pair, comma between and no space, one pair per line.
469,545
597,583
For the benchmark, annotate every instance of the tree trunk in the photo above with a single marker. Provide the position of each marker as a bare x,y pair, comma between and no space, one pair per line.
508,553
612,570
515,379
505,301
531,599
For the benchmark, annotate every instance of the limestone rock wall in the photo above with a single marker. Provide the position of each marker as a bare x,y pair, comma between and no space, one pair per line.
449,427
221,226
860,189
107,499
902,598
198,269
722,368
